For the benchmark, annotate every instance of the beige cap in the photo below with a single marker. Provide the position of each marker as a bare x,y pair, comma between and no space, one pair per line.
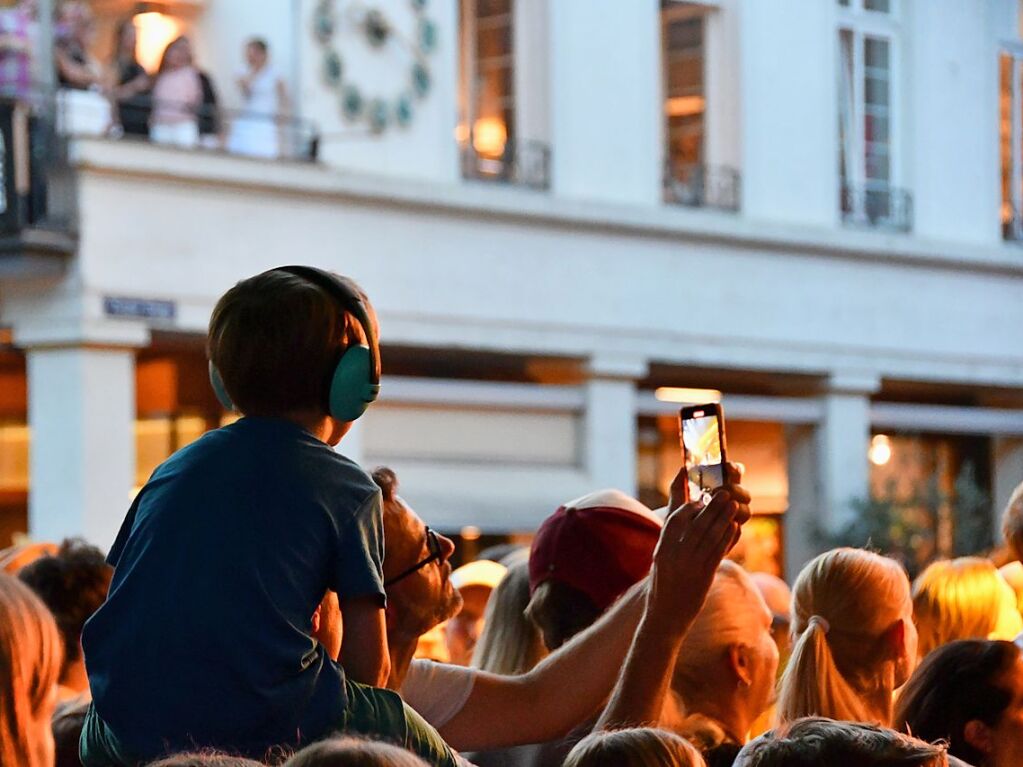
482,572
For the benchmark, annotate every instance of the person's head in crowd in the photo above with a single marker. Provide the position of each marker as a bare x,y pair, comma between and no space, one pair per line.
636,747
67,732
30,657
353,752
510,643
964,598
726,668
417,573
256,53
475,581
72,583
177,55
1012,522
816,741
585,556
855,641
968,693
13,558
778,596
275,339
205,759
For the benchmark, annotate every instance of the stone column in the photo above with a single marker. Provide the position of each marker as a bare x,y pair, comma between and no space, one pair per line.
802,516
81,414
843,438
609,434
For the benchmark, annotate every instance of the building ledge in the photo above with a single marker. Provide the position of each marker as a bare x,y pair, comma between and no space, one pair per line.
34,253
106,157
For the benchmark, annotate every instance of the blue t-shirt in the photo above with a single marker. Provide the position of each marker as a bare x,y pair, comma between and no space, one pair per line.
204,640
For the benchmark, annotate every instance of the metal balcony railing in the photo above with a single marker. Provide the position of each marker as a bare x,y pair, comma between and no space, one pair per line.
1012,227
877,206
206,126
703,186
522,163
37,194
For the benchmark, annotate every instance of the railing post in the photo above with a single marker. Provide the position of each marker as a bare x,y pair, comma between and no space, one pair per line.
47,73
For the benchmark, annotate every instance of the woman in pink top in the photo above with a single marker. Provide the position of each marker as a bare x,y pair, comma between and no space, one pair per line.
177,97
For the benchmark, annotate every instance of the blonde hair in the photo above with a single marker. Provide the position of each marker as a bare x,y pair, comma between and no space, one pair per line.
510,643
31,653
964,598
636,747
734,613
842,604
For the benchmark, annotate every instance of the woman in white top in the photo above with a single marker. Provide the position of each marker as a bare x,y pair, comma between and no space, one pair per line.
255,131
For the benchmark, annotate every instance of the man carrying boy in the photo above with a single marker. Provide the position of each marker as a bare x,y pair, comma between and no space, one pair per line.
239,535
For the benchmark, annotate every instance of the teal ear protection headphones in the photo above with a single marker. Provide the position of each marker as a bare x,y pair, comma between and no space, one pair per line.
355,381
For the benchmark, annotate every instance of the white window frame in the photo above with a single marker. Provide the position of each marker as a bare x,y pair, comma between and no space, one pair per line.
685,12
1014,49
862,24
469,87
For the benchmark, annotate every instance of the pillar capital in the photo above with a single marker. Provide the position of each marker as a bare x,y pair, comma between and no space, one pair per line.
81,409
72,332
617,366
850,381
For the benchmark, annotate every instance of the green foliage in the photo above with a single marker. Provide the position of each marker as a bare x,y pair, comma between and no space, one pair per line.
925,525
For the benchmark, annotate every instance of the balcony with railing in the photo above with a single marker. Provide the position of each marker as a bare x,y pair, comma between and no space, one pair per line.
205,126
519,162
703,186
38,222
1012,224
877,206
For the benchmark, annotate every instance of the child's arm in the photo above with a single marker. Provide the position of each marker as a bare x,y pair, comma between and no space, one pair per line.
364,653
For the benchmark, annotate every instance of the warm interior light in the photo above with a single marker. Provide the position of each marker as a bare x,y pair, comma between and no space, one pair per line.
489,135
687,396
682,106
155,30
461,133
880,451
470,533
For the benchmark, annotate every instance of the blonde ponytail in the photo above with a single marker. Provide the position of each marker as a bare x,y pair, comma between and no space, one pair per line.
843,603
31,652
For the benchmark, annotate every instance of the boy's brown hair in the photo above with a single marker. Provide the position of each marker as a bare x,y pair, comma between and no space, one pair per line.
276,338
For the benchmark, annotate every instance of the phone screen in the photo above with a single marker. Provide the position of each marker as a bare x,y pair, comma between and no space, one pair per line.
701,440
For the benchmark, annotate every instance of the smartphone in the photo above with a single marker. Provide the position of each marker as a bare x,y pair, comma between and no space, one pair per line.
702,429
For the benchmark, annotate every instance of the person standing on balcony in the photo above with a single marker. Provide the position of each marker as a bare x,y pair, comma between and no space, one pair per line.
83,105
76,67
16,49
256,131
177,97
131,82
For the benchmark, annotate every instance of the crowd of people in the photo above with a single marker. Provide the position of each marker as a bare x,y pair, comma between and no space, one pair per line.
175,105
267,601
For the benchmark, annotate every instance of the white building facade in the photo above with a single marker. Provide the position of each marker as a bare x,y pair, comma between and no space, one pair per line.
810,207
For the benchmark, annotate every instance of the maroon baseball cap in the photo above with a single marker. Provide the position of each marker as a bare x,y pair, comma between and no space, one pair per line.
599,544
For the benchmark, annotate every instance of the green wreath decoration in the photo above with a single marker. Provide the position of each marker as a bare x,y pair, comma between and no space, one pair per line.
378,112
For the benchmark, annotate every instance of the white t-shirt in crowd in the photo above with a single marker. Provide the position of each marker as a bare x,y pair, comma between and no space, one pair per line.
437,691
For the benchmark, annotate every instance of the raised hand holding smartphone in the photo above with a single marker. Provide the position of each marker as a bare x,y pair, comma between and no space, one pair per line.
702,431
